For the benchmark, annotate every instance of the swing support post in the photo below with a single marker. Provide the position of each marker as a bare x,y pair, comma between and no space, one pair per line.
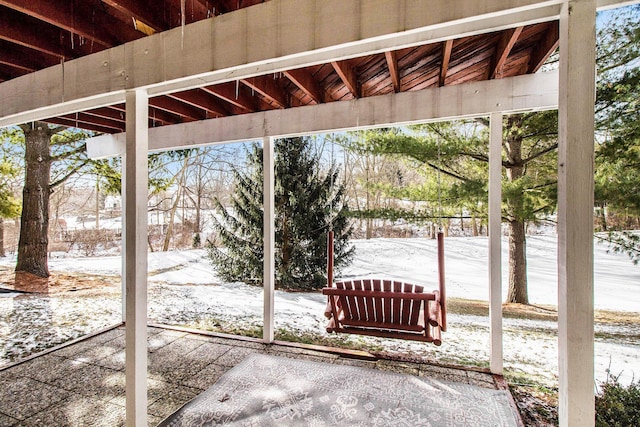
330,258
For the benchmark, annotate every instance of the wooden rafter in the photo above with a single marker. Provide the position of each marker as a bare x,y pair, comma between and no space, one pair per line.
447,47
108,113
200,99
8,72
267,87
347,75
140,11
305,81
506,43
155,115
37,35
14,58
73,123
392,64
78,18
544,49
231,92
173,104
84,118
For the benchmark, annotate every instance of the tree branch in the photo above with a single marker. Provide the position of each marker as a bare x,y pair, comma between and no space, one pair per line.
67,154
540,153
68,175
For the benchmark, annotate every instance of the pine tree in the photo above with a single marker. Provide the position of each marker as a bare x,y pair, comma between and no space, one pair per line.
307,203
617,177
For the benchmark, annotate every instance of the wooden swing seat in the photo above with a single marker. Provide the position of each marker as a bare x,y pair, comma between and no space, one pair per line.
384,308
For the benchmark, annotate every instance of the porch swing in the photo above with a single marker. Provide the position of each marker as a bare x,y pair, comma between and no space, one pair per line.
387,308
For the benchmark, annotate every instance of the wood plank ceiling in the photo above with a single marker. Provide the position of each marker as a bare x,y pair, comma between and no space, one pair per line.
35,34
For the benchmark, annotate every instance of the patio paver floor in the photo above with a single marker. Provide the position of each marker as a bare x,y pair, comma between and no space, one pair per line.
83,384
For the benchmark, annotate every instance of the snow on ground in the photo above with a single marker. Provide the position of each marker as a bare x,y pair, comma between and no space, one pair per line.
185,290
616,280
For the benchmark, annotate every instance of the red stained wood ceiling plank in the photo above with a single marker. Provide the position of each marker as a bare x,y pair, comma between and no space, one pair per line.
394,72
143,11
84,18
506,43
304,80
268,87
234,93
37,35
543,50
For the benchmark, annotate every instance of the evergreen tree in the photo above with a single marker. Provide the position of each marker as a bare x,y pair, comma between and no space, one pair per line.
307,204
458,151
9,206
617,178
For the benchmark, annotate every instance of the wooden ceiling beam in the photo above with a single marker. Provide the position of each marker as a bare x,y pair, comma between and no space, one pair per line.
200,99
231,5
141,11
505,45
80,125
199,9
11,58
447,47
24,58
267,87
162,117
76,17
108,113
347,75
545,48
306,83
174,105
28,32
95,120
231,93
8,72
392,64
155,115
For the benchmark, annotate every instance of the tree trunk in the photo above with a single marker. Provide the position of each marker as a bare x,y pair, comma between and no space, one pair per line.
474,224
517,263
172,215
198,227
97,204
34,222
515,207
2,253
603,217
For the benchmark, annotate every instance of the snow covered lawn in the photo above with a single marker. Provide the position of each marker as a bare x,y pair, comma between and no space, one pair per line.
185,290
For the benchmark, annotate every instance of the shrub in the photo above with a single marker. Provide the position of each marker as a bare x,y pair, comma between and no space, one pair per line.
618,405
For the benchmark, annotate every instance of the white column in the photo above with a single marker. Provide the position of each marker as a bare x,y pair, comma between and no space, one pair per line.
123,244
575,213
135,171
495,242
269,237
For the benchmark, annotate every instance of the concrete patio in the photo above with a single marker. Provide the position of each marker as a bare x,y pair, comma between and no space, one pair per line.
83,383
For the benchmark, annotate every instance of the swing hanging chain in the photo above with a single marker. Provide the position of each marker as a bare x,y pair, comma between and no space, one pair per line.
330,193
439,187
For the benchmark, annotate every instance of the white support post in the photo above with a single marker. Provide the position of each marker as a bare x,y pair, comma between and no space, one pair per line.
495,242
135,256
575,213
269,238
123,244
